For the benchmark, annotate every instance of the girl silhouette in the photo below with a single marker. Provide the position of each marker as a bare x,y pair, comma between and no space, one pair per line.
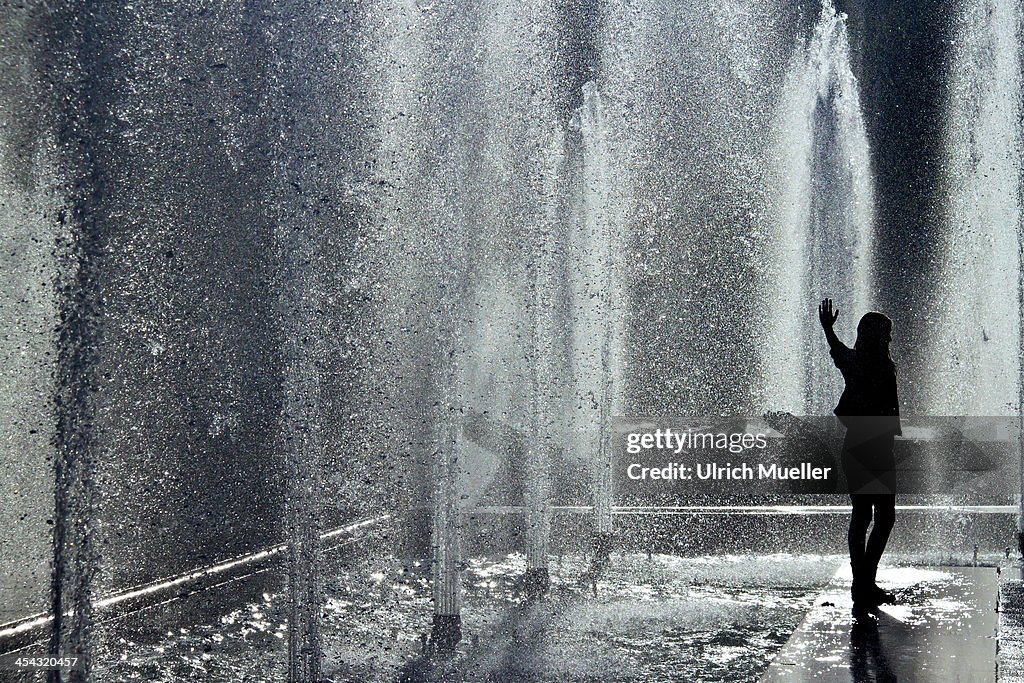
869,407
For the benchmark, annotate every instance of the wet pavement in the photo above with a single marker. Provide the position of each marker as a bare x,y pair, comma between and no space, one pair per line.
649,618
1011,626
944,627
657,619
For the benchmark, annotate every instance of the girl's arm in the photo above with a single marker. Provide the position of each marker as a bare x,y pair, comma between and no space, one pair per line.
828,318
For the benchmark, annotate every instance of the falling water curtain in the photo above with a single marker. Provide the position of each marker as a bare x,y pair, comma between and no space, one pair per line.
77,54
302,340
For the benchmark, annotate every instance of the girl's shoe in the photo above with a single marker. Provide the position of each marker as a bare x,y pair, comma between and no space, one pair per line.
862,594
869,595
881,596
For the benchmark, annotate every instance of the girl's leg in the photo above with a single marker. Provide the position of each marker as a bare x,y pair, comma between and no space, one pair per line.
885,518
860,519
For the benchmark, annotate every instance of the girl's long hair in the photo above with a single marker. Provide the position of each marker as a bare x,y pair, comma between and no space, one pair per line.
871,331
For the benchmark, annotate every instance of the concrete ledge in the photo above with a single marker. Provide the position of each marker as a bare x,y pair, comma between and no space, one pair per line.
945,627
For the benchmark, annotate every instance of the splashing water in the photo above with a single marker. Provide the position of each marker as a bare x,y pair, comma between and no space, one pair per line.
978,316
824,215
601,291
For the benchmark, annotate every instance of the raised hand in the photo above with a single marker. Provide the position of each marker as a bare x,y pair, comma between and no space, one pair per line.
826,315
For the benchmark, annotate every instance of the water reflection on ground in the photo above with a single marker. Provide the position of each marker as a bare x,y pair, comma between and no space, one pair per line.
653,619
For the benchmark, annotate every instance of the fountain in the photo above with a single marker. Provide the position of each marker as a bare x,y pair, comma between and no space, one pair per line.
299,306
824,216
367,284
976,306
545,270
31,199
600,330
76,53
976,343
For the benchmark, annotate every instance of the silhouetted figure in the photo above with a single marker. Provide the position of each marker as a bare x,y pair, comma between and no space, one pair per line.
869,407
